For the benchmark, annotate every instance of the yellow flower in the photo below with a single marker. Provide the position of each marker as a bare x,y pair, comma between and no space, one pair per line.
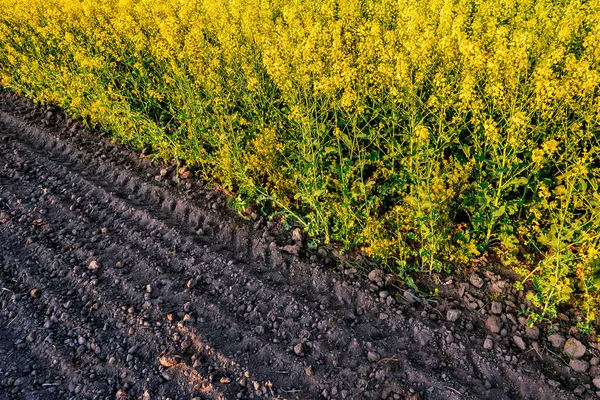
422,133
537,156
550,147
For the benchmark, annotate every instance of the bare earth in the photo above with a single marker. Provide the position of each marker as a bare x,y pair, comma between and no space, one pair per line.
117,282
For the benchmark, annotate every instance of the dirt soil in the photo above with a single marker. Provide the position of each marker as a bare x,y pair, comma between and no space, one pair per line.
123,278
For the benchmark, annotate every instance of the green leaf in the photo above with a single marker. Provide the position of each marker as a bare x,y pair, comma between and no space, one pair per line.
499,212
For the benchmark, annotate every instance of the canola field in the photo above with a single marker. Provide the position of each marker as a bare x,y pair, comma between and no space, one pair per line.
429,134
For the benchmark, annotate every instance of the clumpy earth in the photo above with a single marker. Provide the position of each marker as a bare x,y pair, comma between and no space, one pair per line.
121,278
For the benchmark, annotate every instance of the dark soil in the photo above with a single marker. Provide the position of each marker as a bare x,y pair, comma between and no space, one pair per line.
120,279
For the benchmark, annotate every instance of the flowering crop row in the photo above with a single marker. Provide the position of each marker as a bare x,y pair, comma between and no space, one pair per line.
425,132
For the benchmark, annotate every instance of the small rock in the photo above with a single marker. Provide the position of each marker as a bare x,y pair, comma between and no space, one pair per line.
225,380
192,283
424,336
295,249
322,253
386,392
35,293
122,395
519,342
93,265
184,173
596,382
574,348
476,281
557,340
580,366
461,289
488,344
148,289
496,308
376,276
308,371
373,356
133,349
186,343
452,315
297,235
167,362
533,332
299,350
553,383
493,324
563,317
188,318
579,390
408,296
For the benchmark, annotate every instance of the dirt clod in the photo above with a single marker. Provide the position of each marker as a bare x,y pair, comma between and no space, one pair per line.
377,276
410,297
297,235
373,356
557,340
519,342
299,350
532,332
493,324
488,344
573,348
476,281
496,308
453,315
580,366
